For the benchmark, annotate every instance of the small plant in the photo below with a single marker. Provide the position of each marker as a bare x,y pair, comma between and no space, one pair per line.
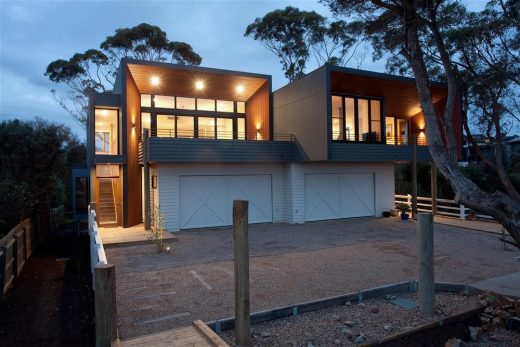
403,208
157,229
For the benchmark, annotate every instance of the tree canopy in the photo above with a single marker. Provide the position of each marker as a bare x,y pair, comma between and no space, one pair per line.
96,69
477,55
37,157
294,35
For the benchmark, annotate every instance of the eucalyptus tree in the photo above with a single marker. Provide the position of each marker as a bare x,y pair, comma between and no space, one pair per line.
294,35
477,55
96,69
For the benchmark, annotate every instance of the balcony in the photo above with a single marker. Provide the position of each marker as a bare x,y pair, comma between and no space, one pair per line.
167,146
372,149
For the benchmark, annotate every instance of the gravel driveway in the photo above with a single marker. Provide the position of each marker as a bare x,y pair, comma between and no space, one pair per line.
289,264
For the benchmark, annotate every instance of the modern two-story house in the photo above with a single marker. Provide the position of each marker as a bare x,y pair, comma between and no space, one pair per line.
187,141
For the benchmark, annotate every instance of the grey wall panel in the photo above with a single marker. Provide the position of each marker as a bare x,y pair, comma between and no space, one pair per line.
163,150
363,152
107,100
300,108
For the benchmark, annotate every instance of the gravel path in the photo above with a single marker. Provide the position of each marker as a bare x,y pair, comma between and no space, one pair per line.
289,264
351,325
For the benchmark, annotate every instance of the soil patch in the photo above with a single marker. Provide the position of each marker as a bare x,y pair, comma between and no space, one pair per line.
51,303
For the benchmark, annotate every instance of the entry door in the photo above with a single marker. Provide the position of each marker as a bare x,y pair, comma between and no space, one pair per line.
334,196
207,201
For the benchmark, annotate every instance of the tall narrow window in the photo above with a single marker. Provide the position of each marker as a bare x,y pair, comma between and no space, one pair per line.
363,120
337,118
165,125
350,125
106,131
225,128
241,107
206,128
185,126
375,120
241,128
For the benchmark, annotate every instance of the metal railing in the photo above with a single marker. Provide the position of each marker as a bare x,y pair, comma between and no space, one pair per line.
215,135
444,207
377,138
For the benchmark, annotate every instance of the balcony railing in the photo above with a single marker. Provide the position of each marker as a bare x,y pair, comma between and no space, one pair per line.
376,138
212,135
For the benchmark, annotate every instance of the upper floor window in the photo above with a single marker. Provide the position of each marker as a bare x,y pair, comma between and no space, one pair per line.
106,131
356,119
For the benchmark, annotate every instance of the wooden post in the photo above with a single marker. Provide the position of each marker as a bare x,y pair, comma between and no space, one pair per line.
414,176
434,187
462,210
105,305
426,284
242,305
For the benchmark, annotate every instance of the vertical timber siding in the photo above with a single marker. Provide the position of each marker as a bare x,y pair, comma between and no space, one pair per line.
258,113
133,183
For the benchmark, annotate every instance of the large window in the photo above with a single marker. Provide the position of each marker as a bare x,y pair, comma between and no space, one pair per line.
106,131
356,119
165,125
185,126
206,128
225,128
396,130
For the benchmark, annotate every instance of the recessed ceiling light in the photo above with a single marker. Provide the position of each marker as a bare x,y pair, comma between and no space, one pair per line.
155,80
104,112
199,85
240,89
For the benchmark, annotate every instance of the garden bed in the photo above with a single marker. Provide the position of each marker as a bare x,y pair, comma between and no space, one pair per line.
354,324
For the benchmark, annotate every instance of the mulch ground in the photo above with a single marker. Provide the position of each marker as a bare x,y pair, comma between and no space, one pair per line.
51,303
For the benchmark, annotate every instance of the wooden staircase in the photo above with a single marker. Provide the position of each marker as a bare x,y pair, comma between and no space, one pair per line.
106,208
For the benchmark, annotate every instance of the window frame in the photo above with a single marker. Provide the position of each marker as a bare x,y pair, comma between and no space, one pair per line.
382,119
119,138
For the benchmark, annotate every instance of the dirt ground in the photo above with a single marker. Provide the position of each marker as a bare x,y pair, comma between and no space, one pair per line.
51,303
289,264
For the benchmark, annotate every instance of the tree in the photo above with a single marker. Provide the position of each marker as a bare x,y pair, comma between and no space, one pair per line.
433,38
96,69
34,156
292,35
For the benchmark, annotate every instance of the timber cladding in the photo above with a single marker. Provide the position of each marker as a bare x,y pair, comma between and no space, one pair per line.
258,114
132,184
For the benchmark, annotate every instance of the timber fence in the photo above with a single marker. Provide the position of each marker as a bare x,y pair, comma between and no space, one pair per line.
15,248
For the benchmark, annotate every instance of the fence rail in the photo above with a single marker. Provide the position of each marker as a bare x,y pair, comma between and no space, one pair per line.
444,207
104,285
15,248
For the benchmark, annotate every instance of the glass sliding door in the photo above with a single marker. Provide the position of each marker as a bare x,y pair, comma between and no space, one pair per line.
363,120
402,131
206,128
350,116
165,125
390,130
185,127
225,128
375,120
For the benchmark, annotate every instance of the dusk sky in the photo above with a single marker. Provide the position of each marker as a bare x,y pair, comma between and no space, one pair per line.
34,33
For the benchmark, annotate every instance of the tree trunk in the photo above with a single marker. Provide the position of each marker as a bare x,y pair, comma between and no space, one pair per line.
498,204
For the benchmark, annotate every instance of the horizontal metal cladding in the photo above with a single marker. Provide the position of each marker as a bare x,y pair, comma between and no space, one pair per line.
362,152
167,150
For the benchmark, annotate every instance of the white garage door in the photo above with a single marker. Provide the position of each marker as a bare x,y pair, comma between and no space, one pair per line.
331,196
207,201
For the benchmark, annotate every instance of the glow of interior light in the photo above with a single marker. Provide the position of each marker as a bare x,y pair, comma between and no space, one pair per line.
104,113
155,81
199,85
